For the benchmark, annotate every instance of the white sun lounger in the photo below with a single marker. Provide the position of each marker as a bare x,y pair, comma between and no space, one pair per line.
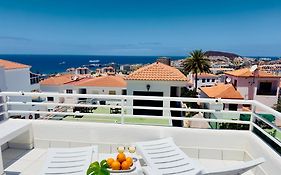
163,157
69,161
237,169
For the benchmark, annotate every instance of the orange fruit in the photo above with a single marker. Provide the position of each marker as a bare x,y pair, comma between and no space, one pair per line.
109,161
115,165
130,160
125,165
121,157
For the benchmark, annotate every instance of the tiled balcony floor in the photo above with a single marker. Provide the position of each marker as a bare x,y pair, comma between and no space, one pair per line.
30,162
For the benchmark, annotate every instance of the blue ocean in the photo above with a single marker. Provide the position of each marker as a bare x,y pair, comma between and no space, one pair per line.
47,64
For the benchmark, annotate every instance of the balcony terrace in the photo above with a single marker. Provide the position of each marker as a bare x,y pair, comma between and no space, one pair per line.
213,142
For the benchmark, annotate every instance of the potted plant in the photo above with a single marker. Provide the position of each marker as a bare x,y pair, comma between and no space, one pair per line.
97,168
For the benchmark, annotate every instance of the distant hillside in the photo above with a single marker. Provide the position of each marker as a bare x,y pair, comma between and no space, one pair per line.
218,53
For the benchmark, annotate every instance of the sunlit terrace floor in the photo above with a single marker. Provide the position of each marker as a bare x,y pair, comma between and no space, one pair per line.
30,162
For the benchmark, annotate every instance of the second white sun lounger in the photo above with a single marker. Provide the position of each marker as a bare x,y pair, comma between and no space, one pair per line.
164,157
68,161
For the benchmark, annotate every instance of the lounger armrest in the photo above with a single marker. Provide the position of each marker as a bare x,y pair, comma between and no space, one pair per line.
237,169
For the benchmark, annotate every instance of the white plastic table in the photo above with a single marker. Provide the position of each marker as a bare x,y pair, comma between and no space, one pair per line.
137,171
10,130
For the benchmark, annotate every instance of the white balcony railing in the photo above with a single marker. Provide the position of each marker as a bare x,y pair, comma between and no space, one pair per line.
120,109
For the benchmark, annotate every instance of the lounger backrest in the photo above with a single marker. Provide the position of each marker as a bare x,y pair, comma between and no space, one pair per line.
165,158
237,169
68,161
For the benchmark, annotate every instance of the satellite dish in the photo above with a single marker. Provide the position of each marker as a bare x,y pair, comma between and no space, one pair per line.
253,68
75,78
228,80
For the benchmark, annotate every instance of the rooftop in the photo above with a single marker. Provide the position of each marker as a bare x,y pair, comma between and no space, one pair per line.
103,81
225,91
57,80
157,72
12,65
246,72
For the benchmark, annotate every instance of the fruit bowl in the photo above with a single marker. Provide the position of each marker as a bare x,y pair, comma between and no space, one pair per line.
120,164
132,168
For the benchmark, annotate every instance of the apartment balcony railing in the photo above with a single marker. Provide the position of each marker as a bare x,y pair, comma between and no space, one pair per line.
260,119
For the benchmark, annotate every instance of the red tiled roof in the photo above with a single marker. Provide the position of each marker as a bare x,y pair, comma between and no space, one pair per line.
12,65
103,81
157,72
226,91
57,80
247,73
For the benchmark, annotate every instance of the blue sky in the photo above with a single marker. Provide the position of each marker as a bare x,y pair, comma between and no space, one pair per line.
140,27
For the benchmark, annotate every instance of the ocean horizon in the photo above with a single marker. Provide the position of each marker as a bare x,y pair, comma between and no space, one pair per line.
49,64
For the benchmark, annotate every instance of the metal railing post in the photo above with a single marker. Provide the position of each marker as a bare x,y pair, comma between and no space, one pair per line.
122,111
252,116
4,106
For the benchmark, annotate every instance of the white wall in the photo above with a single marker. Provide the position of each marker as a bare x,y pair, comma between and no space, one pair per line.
155,86
75,90
210,83
3,86
18,79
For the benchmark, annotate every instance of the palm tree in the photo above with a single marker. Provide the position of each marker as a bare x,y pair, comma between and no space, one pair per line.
196,63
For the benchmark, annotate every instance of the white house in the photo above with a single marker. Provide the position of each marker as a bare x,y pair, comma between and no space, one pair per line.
156,79
221,91
17,77
255,85
203,80
74,84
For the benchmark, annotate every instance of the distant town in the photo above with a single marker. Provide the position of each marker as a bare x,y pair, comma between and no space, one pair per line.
227,76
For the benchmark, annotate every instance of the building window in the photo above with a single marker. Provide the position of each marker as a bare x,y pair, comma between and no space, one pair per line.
124,92
208,80
213,80
50,98
112,93
203,80
83,91
34,78
265,88
69,91
233,107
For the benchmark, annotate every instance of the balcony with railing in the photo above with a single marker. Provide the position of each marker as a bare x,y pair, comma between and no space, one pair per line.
215,137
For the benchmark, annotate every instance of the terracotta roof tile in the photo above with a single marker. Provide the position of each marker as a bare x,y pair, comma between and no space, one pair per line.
12,65
226,91
157,72
57,80
103,81
247,73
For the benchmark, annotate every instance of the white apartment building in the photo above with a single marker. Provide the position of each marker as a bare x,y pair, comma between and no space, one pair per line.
17,77
78,84
156,79
203,80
